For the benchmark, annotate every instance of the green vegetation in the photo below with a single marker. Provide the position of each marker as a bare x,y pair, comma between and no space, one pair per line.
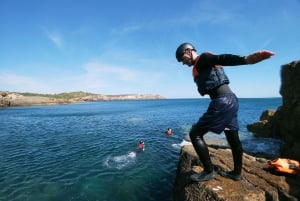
70,95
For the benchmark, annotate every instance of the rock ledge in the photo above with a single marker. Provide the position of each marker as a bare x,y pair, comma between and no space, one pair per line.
257,184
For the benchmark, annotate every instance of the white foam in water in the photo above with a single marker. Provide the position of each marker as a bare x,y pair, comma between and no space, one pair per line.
132,154
120,162
183,143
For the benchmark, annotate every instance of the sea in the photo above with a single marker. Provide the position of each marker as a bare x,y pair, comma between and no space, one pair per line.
88,151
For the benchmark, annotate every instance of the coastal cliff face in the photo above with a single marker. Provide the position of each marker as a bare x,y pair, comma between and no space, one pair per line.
288,116
284,123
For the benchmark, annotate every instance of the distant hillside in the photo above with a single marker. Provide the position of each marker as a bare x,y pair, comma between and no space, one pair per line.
10,99
70,95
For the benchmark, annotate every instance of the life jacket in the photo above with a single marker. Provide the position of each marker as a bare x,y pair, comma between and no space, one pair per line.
284,165
141,146
209,78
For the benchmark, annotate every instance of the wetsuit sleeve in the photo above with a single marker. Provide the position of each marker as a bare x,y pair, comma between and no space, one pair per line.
207,59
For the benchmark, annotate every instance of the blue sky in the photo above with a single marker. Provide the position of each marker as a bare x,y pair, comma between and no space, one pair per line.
120,47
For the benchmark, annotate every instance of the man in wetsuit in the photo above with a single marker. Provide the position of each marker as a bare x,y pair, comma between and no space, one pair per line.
221,114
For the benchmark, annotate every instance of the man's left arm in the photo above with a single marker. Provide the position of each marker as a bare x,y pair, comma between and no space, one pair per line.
258,56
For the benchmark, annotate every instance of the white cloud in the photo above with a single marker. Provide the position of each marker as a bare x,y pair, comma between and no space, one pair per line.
104,71
111,79
126,30
56,38
97,77
20,83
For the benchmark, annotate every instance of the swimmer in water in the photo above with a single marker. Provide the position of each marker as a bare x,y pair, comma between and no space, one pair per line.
141,145
169,131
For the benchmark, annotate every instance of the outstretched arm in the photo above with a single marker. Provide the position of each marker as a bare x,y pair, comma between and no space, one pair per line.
209,59
258,56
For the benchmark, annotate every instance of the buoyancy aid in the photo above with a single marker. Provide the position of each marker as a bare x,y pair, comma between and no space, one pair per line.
209,78
141,146
284,165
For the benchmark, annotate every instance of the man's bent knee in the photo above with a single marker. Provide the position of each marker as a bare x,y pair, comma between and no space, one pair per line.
197,132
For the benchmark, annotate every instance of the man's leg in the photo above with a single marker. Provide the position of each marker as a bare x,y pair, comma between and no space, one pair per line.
237,154
201,149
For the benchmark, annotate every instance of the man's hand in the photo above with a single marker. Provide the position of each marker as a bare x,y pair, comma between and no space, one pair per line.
258,56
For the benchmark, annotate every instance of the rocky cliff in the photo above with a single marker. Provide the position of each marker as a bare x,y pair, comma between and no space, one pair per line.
257,184
284,123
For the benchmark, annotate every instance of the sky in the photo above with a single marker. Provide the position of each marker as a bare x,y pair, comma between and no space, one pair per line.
128,46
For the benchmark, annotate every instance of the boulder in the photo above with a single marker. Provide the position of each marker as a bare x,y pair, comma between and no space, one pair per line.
263,127
257,183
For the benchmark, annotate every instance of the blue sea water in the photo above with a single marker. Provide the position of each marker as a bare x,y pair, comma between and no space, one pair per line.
88,151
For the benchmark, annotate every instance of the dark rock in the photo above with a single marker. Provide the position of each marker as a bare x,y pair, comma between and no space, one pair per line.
285,122
263,127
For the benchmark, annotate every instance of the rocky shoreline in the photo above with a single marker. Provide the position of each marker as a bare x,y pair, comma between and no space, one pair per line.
257,183
12,99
